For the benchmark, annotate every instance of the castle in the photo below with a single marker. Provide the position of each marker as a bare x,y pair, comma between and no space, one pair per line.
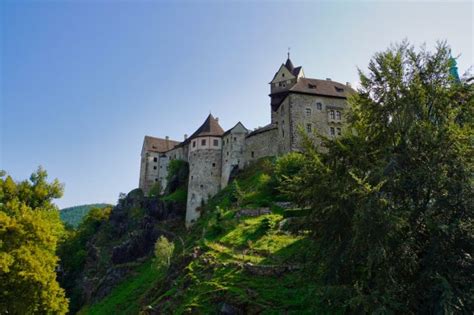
296,103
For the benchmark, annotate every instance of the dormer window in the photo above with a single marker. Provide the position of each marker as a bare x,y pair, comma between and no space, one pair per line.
311,86
339,89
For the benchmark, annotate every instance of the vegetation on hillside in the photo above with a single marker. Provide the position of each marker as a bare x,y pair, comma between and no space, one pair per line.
72,216
29,232
392,200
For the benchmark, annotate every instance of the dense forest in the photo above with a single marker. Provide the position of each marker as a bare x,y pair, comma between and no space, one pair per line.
378,220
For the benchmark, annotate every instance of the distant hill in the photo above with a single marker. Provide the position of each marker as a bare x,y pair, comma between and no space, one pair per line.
73,215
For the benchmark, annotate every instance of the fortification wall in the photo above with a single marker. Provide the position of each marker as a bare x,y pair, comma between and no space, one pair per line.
261,144
232,154
204,179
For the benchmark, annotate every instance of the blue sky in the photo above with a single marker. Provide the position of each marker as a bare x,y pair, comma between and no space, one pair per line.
83,81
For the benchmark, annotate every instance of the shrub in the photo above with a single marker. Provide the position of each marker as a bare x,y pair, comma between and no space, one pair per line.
163,251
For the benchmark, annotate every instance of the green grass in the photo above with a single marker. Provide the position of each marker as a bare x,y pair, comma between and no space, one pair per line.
125,298
226,243
179,195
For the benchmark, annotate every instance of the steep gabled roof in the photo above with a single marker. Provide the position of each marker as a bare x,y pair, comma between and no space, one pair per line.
289,65
210,127
236,125
262,129
159,145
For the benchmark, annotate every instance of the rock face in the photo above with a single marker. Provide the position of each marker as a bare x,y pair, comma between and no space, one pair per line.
133,228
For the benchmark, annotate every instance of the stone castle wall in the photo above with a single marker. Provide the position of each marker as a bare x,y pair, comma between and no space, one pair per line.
261,144
305,112
232,154
205,166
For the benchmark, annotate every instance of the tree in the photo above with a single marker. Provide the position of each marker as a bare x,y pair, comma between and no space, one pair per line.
163,251
29,232
392,201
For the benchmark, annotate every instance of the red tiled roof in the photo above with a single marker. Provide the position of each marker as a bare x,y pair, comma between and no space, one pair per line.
210,127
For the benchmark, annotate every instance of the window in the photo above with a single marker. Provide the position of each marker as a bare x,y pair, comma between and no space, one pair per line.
216,142
282,109
213,164
253,154
331,114
309,128
319,106
161,166
338,115
282,74
154,167
194,144
227,153
155,159
156,179
283,133
331,131
338,131
203,142
235,138
308,111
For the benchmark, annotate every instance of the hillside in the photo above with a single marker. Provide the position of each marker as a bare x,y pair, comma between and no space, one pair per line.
73,215
245,254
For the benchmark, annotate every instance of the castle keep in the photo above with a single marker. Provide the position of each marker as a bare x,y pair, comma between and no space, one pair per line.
297,103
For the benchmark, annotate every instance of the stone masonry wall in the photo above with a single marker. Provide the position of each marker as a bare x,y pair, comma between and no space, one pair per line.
232,154
204,179
261,145
304,112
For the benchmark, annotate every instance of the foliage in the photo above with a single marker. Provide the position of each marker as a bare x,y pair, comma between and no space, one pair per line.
392,201
163,251
288,165
30,228
73,254
179,195
73,215
155,190
178,168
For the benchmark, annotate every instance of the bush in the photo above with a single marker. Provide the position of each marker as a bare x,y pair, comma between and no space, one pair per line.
163,251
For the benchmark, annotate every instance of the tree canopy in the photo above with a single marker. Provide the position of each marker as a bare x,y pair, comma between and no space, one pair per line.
392,198
29,232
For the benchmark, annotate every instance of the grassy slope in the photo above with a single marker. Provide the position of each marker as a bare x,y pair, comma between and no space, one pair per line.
226,243
73,215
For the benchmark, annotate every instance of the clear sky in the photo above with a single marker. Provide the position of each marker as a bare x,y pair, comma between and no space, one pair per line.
83,81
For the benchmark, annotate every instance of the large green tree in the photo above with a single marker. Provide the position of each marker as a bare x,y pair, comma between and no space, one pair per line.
392,198
29,232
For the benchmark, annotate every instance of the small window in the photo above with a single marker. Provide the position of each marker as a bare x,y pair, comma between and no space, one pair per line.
283,133
194,144
161,166
192,177
235,138
282,74
308,111
338,131
203,142
213,164
201,186
156,179
227,153
253,154
154,167
309,128
216,142
332,114
338,115
311,86
155,159
339,89
282,109
319,106
331,131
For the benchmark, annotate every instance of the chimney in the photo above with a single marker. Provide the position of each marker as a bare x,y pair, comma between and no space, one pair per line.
167,138
348,84
328,79
217,119
185,136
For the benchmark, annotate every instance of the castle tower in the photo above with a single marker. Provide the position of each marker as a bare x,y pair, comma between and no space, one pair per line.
205,166
233,142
